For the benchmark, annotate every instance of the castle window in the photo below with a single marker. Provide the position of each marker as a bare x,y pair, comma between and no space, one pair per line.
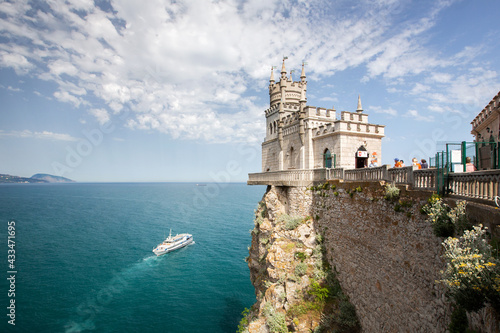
327,159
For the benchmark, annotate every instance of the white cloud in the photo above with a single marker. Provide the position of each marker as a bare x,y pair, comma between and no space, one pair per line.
417,116
419,89
16,61
378,109
190,68
14,89
441,77
44,135
101,115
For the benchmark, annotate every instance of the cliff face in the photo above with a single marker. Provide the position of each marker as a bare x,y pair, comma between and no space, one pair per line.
383,256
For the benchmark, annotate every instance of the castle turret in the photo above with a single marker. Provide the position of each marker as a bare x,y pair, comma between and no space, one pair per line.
271,80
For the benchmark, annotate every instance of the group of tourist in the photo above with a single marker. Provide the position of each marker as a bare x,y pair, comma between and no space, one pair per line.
400,163
469,166
420,165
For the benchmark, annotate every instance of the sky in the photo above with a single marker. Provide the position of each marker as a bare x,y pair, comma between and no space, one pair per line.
117,91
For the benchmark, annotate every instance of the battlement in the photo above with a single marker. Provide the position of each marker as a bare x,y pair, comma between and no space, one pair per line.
320,129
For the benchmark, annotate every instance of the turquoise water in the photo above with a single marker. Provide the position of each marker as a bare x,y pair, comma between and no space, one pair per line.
84,260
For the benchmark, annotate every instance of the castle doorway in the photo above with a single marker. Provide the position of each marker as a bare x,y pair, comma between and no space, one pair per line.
361,158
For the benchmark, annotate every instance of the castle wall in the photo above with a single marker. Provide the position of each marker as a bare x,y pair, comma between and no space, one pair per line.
270,155
291,148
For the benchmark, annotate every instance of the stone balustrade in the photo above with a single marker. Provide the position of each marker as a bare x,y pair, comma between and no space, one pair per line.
424,179
367,174
481,185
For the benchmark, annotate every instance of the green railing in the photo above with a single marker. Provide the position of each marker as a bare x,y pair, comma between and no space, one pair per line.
464,156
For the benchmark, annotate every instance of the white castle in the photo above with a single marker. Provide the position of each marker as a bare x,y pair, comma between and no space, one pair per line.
299,136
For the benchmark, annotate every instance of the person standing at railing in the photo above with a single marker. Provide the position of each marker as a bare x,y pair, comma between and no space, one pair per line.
424,164
469,166
415,163
397,163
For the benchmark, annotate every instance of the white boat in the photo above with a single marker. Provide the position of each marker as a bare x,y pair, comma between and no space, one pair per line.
173,243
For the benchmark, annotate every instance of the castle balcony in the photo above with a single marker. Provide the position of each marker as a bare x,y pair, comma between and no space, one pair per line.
479,186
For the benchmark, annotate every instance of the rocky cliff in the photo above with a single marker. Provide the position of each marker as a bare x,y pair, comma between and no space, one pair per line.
296,289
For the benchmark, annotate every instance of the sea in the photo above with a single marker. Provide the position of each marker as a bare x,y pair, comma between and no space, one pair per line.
83,259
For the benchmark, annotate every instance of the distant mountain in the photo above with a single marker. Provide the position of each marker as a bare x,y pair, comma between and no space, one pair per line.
51,178
38,178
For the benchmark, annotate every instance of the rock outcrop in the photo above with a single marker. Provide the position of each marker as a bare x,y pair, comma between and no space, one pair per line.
296,290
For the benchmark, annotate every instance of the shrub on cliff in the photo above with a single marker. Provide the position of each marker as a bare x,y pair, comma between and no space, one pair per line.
291,222
391,192
301,269
347,316
446,221
472,273
275,320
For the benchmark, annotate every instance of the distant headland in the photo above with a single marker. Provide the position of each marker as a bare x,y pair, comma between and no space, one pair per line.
37,178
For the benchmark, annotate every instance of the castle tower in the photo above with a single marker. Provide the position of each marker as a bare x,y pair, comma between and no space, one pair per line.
302,116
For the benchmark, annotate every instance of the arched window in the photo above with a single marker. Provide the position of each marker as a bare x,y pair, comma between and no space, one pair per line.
291,164
271,128
327,159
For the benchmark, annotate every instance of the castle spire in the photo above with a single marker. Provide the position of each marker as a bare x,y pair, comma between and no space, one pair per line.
303,74
271,80
360,108
283,69
291,75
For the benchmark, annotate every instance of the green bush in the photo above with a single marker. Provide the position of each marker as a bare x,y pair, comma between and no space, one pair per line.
391,192
472,273
446,221
274,320
242,326
291,222
347,316
300,255
301,269
320,293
